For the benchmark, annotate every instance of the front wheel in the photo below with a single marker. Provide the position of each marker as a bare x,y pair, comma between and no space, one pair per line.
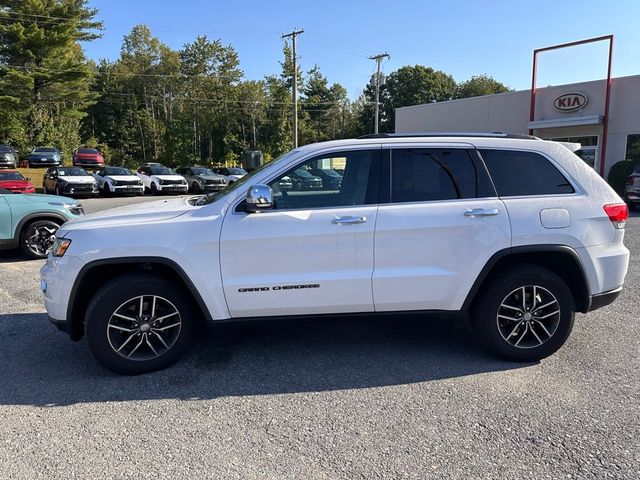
139,323
36,238
525,315
154,189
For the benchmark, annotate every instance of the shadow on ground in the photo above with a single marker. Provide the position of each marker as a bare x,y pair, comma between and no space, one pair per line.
42,367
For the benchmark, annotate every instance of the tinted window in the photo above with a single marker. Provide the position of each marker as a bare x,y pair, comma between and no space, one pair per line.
236,171
299,189
11,176
419,175
524,173
161,171
88,150
5,148
116,171
45,150
71,172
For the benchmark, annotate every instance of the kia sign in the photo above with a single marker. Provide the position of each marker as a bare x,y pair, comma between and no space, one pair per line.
570,102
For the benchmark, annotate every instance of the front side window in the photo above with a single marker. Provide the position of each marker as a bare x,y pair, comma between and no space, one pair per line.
300,188
433,174
517,173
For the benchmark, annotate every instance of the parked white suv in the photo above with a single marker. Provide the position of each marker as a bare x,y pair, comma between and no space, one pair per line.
516,231
159,179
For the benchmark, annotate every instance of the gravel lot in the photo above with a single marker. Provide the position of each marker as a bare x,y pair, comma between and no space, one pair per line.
367,399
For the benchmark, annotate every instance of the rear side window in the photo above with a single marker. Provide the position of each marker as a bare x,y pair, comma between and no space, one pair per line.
524,173
429,174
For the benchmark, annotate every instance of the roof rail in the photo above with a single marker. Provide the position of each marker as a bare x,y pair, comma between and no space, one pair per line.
449,134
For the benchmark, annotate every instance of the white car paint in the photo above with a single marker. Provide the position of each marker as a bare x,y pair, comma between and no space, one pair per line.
411,256
106,183
156,180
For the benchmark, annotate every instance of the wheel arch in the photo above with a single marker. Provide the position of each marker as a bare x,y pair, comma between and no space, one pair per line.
559,259
33,217
95,274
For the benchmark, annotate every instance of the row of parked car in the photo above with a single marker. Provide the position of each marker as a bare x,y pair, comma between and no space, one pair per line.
50,156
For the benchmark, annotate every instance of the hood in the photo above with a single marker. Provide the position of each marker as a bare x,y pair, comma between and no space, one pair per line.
44,155
88,155
123,178
130,214
9,184
41,199
79,179
168,177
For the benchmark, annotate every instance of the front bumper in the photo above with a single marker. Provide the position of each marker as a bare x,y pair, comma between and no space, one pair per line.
214,187
128,188
57,277
173,188
79,189
44,163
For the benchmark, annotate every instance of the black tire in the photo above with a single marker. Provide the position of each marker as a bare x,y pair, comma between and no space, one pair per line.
297,186
37,237
195,188
630,204
58,191
44,189
488,326
110,298
154,189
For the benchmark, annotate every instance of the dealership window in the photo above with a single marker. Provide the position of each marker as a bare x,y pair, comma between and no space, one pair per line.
517,173
633,147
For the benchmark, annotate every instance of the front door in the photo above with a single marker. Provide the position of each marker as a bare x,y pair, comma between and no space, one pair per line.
313,252
441,226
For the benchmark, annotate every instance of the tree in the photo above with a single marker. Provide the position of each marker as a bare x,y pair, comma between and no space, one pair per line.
45,77
480,85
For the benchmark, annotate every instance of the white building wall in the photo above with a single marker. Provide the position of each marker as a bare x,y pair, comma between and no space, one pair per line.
509,112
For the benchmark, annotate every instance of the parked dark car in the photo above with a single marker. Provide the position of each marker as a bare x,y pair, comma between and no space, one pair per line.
331,180
8,157
88,157
202,179
303,180
44,157
632,189
69,181
15,182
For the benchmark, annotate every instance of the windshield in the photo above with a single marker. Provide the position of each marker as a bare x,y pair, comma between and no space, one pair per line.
45,150
202,171
11,176
88,150
5,148
71,172
237,171
161,171
246,180
116,171
302,173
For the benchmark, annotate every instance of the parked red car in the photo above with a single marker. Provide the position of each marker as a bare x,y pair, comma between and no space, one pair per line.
15,182
87,157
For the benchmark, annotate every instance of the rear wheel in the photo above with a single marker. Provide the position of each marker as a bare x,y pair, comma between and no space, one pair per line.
525,315
36,238
139,323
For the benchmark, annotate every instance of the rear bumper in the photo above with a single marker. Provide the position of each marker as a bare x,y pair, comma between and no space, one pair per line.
603,299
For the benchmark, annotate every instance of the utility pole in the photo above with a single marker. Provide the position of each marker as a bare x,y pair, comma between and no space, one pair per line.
378,58
295,84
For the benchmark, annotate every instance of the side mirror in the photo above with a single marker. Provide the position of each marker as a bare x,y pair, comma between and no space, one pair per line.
259,197
28,179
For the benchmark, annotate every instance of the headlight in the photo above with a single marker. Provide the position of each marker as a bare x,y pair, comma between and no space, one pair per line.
75,208
114,182
161,182
139,182
60,247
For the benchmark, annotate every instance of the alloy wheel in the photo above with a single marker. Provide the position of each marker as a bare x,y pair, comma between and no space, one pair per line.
528,316
40,238
144,327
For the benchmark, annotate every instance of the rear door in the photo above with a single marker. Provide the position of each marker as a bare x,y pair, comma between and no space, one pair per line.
442,223
6,227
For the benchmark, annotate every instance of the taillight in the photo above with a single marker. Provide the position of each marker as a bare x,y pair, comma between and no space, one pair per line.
618,213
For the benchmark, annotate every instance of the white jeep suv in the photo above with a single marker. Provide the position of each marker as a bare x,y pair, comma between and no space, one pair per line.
517,232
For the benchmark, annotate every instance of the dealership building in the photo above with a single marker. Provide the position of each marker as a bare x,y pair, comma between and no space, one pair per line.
569,113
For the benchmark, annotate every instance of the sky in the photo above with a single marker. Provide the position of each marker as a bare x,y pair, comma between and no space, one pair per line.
461,38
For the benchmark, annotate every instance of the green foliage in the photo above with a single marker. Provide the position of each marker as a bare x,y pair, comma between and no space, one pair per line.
184,106
618,174
480,85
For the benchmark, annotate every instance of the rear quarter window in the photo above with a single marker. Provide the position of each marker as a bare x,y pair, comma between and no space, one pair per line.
516,173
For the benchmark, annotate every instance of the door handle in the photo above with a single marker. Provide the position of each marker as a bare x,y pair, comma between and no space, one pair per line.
481,212
348,220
